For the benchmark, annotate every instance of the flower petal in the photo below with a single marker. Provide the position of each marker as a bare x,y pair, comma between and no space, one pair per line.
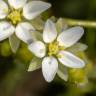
37,48
50,32
3,9
24,31
34,8
6,30
49,68
14,43
78,47
34,64
62,72
70,36
70,60
17,3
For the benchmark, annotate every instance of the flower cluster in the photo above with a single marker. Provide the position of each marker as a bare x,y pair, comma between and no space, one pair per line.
15,16
54,50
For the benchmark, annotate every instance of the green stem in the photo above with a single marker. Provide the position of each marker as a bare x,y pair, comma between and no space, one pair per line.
73,22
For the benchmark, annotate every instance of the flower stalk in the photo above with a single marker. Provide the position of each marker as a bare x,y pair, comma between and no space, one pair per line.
74,22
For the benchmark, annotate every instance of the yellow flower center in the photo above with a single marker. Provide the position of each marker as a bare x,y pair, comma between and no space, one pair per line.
15,16
54,48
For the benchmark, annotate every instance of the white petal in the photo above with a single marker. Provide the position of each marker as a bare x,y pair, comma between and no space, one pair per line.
78,47
70,60
6,30
17,3
34,64
24,31
3,9
14,43
62,72
34,8
70,36
49,68
37,48
50,32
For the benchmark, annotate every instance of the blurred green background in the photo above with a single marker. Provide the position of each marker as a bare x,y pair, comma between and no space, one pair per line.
15,81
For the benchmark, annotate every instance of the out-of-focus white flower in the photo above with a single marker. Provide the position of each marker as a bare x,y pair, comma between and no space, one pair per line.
15,16
54,53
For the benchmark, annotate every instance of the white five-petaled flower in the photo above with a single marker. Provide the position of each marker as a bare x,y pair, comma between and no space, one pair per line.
54,46
15,16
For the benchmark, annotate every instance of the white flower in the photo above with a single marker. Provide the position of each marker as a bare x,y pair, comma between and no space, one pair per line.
16,19
54,52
